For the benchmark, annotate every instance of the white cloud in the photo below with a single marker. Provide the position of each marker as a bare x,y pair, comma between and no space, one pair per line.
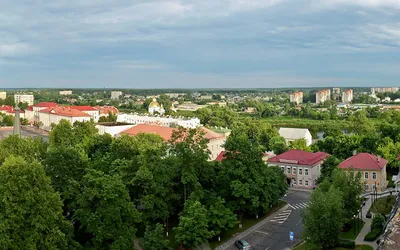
14,49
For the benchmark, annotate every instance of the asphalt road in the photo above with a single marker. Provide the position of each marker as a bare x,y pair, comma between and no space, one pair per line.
274,235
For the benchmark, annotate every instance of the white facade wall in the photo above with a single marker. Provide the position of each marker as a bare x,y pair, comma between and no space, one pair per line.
164,121
112,130
301,176
3,95
24,98
95,114
215,147
47,119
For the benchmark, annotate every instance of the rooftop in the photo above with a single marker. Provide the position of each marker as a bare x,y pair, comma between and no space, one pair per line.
65,111
45,104
299,157
364,161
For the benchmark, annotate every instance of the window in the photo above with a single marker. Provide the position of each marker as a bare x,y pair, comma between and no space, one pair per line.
288,170
374,176
294,170
300,182
366,187
294,181
306,183
366,175
306,171
300,171
283,169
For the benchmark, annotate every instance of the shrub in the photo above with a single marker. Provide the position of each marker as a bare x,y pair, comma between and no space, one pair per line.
349,244
373,235
377,221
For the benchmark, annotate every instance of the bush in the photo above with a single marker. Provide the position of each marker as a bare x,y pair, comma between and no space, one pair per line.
377,221
349,244
373,235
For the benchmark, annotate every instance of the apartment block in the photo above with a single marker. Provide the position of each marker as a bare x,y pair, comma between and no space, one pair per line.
65,92
385,89
323,96
296,97
23,98
115,95
3,95
347,96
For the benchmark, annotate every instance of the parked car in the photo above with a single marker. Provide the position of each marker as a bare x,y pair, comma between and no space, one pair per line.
242,245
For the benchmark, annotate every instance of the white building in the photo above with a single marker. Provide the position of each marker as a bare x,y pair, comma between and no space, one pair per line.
323,96
3,95
155,107
292,134
163,121
113,128
54,115
23,98
296,97
384,90
93,112
347,96
65,92
115,95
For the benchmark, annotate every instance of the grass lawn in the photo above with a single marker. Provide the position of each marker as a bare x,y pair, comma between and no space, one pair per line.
383,205
349,235
303,246
247,223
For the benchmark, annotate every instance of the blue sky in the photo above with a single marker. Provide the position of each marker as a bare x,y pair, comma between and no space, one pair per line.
199,43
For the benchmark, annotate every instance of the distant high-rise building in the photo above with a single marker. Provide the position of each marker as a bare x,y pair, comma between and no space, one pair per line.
3,95
384,89
23,98
65,92
323,96
115,95
347,96
296,97
336,93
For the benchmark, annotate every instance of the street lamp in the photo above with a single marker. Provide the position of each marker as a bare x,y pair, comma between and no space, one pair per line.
358,216
354,224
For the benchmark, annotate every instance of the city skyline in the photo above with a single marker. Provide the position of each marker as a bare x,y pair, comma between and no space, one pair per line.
199,44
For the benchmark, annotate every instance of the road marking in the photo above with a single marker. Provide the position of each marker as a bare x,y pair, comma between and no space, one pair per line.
261,232
291,206
282,217
300,205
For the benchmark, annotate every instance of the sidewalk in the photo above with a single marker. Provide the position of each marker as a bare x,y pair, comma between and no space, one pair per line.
367,226
243,234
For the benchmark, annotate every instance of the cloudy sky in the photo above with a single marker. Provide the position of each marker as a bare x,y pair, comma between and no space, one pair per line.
199,43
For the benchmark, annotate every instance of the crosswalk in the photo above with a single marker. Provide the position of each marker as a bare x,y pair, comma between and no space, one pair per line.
300,205
282,217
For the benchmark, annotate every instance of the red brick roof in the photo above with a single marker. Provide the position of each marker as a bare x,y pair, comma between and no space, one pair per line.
83,108
46,104
165,132
106,109
364,161
299,157
8,109
65,111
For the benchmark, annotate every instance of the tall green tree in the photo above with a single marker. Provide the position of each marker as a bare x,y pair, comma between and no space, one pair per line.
105,213
153,238
327,168
30,210
323,219
300,144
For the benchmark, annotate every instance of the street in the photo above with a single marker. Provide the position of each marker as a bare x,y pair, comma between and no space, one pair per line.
274,235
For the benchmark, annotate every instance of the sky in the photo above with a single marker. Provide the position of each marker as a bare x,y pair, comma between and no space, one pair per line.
199,43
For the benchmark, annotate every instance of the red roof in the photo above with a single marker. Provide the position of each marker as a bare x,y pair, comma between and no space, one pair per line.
106,109
83,108
398,157
299,157
30,108
65,111
364,161
221,156
165,132
9,109
46,104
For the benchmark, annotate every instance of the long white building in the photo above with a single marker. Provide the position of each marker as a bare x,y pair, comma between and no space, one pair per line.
164,121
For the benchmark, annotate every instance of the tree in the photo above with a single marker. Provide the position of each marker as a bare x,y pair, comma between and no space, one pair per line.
360,124
278,145
349,184
192,229
111,117
327,168
300,144
153,238
28,148
105,214
377,221
323,219
31,211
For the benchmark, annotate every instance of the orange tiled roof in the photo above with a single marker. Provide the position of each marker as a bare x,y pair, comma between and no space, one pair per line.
65,111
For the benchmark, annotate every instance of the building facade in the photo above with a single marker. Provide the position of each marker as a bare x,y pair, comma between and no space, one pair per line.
372,168
302,169
155,107
54,115
215,144
23,98
115,95
65,92
163,121
292,134
347,96
296,97
384,90
93,112
3,95
323,96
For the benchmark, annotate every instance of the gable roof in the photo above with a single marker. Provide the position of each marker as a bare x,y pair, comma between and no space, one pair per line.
364,161
106,109
165,132
45,104
83,108
65,111
9,109
299,157
293,133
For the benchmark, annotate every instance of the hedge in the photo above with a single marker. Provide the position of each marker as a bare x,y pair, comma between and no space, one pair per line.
349,244
373,235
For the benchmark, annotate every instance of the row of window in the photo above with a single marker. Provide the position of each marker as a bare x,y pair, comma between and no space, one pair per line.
293,170
366,175
366,187
300,183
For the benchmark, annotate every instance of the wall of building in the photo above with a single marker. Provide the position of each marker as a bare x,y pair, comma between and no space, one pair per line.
215,147
301,176
112,130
